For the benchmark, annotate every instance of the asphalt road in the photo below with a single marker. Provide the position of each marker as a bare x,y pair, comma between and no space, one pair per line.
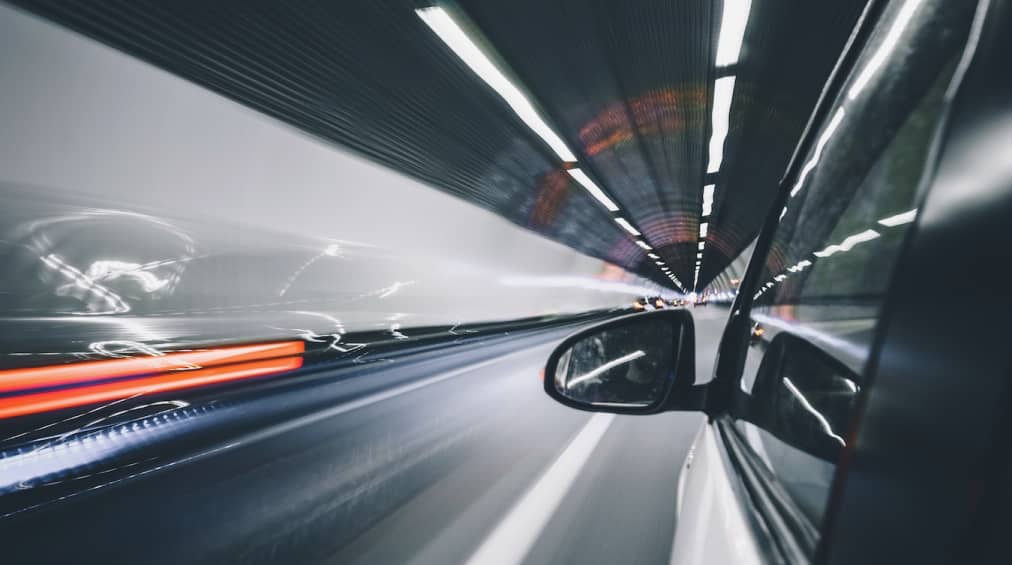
474,465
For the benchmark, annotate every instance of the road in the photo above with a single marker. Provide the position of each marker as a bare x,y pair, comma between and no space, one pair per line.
472,465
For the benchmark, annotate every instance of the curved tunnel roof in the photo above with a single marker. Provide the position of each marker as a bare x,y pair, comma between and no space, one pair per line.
629,87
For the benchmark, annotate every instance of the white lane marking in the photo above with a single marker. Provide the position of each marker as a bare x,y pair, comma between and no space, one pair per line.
512,539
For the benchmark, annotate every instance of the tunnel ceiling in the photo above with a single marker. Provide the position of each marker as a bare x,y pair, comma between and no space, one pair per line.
629,86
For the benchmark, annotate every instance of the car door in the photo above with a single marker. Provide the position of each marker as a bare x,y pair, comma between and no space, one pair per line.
817,284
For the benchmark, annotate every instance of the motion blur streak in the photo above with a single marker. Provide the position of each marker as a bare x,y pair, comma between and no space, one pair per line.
423,459
38,377
244,362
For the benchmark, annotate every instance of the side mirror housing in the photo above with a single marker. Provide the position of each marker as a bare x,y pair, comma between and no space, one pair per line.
638,364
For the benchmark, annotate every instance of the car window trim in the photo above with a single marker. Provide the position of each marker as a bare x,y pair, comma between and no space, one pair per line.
794,537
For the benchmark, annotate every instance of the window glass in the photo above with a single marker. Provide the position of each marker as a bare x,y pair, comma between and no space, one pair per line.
838,240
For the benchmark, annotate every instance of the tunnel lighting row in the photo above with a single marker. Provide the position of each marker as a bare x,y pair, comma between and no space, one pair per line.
457,39
847,244
733,22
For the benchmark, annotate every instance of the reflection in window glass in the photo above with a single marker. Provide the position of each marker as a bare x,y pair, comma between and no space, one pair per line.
837,243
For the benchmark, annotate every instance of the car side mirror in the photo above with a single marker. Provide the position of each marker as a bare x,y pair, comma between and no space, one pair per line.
638,364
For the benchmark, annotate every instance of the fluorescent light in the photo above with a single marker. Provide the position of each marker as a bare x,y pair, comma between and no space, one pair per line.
653,256
703,228
707,200
723,90
702,244
440,22
660,263
594,190
823,140
849,243
642,244
899,219
627,226
699,255
885,48
732,31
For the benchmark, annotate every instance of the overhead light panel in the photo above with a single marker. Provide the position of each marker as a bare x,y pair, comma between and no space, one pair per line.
707,200
627,226
653,256
594,190
732,31
702,244
703,229
644,245
444,26
723,91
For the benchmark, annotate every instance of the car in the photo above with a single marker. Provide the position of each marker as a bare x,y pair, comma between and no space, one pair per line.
849,419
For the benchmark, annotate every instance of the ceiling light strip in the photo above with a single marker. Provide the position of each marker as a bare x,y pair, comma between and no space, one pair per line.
450,32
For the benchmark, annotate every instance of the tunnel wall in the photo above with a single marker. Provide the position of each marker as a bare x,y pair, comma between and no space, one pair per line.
141,207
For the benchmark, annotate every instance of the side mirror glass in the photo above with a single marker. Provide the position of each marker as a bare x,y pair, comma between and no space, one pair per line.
628,365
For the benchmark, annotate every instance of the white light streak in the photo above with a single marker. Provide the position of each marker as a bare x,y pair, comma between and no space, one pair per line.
457,40
108,270
707,200
627,226
703,228
594,190
823,140
606,367
888,45
849,243
723,91
811,410
732,31
644,245
899,219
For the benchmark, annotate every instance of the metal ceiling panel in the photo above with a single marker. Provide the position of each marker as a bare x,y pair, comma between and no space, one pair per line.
629,85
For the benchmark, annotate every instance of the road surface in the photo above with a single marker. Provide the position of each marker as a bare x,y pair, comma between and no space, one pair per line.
469,465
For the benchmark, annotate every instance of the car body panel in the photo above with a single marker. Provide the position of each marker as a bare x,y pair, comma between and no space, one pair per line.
711,526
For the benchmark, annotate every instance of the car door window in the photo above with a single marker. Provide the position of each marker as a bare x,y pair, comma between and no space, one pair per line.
823,281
